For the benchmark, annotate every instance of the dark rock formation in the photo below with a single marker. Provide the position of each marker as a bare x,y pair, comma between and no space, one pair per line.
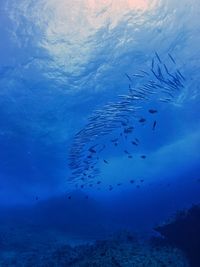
184,232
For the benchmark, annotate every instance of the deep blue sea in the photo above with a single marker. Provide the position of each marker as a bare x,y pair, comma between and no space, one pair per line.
99,126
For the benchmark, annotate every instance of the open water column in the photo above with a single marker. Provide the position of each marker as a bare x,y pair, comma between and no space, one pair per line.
99,133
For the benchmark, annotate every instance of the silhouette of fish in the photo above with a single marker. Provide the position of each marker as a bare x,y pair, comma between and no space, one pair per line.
152,111
142,120
132,181
92,150
158,57
128,77
110,187
105,161
143,157
137,140
154,125
172,59
114,140
134,143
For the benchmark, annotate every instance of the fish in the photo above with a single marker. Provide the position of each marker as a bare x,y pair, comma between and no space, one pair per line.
110,187
128,77
142,180
105,161
152,63
125,151
69,197
138,75
92,150
158,57
181,75
132,181
114,140
143,157
154,125
130,156
119,184
142,120
172,59
153,111
129,129
98,182
137,140
134,143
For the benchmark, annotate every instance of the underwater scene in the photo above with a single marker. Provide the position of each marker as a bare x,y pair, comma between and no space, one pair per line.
99,133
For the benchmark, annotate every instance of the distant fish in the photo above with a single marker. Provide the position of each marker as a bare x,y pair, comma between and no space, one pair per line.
125,151
128,77
130,156
129,129
143,157
137,140
132,181
158,57
119,184
152,111
82,186
181,74
114,140
105,161
90,185
86,197
116,144
152,63
134,143
110,187
142,180
98,182
92,150
69,197
172,59
154,125
142,120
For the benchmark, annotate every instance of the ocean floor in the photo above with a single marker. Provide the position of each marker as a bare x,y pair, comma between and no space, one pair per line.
31,247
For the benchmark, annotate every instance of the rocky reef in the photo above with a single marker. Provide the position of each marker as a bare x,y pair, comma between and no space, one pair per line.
121,250
183,231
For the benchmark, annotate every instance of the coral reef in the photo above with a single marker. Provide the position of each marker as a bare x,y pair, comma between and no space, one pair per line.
121,250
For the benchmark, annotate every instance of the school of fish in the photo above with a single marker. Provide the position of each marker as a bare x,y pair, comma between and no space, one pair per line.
117,120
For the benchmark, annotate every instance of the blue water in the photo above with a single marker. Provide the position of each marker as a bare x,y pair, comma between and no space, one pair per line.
62,62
